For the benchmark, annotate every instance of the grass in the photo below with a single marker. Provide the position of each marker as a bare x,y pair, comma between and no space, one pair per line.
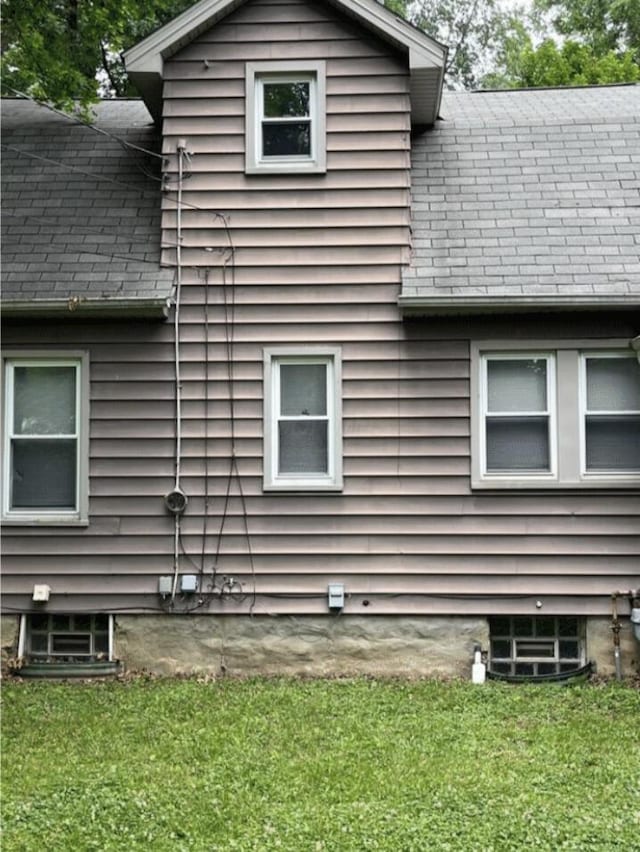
319,765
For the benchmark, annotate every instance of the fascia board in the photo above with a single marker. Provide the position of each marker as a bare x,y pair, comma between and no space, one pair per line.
148,54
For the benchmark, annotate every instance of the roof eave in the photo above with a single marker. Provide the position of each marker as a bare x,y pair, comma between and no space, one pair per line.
85,308
438,306
145,61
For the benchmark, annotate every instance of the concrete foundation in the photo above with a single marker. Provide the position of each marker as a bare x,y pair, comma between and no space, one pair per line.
302,645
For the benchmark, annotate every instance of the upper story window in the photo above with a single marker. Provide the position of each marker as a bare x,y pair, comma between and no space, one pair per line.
285,117
45,443
302,432
562,417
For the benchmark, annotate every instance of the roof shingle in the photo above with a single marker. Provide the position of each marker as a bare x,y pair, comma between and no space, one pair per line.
528,195
70,198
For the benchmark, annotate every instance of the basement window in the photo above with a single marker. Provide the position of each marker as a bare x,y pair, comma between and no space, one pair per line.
536,645
80,638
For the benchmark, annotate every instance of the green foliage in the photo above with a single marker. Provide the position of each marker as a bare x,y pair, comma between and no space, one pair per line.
572,64
342,766
604,25
53,49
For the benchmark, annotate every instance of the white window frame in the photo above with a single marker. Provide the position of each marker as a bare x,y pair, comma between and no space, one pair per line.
273,480
549,413
567,439
77,515
256,75
595,476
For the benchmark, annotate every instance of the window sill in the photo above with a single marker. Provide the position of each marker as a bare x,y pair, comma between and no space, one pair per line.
554,484
44,521
310,168
304,487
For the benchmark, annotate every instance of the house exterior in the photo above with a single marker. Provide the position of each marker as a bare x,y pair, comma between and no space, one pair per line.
309,367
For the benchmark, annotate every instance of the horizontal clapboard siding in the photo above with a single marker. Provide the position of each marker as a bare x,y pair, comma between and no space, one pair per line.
317,260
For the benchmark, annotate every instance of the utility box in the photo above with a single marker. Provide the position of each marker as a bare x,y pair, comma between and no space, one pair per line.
336,595
165,585
189,584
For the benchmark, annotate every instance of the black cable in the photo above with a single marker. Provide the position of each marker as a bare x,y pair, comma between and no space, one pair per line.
80,123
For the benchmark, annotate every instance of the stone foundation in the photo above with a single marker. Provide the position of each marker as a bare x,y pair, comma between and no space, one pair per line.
9,628
303,645
600,647
387,646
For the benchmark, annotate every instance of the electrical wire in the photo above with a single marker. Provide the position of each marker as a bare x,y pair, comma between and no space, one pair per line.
78,121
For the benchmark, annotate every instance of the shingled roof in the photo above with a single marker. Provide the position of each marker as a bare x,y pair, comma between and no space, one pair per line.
81,213
527,199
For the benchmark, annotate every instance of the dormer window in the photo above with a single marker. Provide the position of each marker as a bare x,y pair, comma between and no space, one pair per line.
285,126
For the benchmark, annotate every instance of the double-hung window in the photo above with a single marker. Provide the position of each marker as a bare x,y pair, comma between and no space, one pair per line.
45,438
560,416
302,428
285,117
610,416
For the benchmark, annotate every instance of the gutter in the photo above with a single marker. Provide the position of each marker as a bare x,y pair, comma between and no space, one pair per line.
153,309
425,306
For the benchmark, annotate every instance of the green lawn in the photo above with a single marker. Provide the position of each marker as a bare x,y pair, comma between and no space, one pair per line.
319,765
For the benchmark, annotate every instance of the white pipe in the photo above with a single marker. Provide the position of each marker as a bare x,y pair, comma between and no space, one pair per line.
22,636
176,536
111,637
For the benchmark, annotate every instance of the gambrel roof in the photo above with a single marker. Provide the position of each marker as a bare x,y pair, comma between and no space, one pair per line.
527,198
81,212
426,57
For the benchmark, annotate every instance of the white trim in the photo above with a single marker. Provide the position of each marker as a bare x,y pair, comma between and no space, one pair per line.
567,426
256,74
549,413
595,476
49,358
274,357
145,60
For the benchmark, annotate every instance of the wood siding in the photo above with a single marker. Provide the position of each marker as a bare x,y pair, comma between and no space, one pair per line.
316,260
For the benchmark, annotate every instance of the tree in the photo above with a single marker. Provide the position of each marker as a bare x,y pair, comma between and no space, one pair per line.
470,28
67,51
572,64
603,25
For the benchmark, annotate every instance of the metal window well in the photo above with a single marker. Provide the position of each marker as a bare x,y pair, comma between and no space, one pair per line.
536,647
67,645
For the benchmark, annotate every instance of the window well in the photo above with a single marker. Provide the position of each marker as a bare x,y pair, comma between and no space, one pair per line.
66,645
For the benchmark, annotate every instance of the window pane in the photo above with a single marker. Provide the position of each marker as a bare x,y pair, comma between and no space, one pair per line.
303,390
517,385
44,400
43,474
545,626
526,648
39,643
569,648
72,644
292,139
522,626
517,443
286,99
613,384
501,648
499,625
303,446
567,626
613,443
